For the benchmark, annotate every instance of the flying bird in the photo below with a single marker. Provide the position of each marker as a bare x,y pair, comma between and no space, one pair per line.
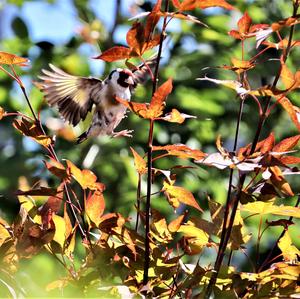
76,96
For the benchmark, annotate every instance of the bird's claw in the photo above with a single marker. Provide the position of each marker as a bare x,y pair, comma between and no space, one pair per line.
124,133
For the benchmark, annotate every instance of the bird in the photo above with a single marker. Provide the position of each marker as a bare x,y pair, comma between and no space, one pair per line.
76,96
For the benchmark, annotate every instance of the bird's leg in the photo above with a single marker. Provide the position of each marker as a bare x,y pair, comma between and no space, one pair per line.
124,133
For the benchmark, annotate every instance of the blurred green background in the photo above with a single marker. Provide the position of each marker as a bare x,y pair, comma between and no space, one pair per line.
69,33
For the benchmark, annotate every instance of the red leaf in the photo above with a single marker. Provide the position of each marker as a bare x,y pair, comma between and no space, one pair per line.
244,23
286,144
157,6
95,206
114,54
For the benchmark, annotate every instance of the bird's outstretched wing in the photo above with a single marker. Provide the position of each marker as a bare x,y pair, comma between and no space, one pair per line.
74,96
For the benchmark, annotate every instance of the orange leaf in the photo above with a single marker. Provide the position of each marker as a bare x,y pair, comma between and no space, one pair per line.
192,4
86,178
277,26
244,23
286,144
10,59
157,102
240,66
279,181
286,76
290,109
179,194
95,206
176,117
2,113
135,38
181,151
155,108
114,54
267,144
175,224
139,162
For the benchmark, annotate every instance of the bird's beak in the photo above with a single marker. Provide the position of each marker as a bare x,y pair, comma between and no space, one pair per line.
130,80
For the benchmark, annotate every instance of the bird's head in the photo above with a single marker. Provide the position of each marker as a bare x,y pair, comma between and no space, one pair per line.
122,77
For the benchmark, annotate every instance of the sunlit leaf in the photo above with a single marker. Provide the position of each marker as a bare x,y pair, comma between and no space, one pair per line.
2,112
11,59
263,208
278,180
57,284
175,224
114,54
156,106
196,237
181,151
277,26
290,109
60,230
286,144
192,4
95,206
4,231
176,117
289,251
30,129
237,86
178,194
86,178
139,162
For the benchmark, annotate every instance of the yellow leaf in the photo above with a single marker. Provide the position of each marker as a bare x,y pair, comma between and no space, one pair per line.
10,59
4,234
2,113
60,230
95,206
289,251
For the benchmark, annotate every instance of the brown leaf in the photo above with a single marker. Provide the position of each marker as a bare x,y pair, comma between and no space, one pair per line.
41,191
267,144
115,53
11,59
31,130
135,38
280,182
277,26
139,162
95,206
56,168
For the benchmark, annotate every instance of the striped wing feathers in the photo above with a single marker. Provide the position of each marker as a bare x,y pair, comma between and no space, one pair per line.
74,96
